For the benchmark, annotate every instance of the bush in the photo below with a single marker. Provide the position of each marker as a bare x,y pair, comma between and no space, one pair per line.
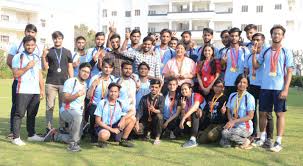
296,81
5,71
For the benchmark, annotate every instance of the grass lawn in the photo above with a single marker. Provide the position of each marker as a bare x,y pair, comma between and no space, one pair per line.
168,153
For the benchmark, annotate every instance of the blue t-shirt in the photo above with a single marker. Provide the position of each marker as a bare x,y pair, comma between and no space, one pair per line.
18,47
246,105
258,72
28,83
73,86
165,55
285,61
89,56
170,107
230,76
102,85
111,114
76,57
142,91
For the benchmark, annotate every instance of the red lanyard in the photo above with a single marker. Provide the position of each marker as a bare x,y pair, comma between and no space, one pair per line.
234,57
111,114
274,60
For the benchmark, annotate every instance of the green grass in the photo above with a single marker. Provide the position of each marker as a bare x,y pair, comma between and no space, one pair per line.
168,153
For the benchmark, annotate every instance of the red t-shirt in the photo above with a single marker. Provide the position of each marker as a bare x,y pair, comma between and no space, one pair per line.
204,69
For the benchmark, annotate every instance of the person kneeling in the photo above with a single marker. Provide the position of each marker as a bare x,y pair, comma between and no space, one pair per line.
240,111
114,118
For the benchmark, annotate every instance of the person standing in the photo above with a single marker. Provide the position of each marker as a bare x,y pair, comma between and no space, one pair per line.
79,56
59,65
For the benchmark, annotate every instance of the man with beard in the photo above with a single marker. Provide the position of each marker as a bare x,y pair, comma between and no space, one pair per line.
134,37
208,35
250,30
233,59
115,55
277,64
79,55
189,44
146,54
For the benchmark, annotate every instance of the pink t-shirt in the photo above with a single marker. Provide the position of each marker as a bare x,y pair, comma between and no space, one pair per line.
187,66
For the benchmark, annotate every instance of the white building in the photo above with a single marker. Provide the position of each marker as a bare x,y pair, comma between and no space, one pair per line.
194,15
15,15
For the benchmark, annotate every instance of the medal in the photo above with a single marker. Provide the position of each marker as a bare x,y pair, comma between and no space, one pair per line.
58,59
188,123
232,69
253,77
273,74
59,70
204,78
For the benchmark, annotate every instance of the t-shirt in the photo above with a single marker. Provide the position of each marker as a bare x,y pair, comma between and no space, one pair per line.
111,114
142,91
187,66
73,86
215,116
285,61
245,106
257,79
18,47
204,69
164,54
53,76
128,91
170,106
231,76
28,82
195,97
76,57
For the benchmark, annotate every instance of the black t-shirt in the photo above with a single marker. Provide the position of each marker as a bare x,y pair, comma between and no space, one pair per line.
53,76
215,117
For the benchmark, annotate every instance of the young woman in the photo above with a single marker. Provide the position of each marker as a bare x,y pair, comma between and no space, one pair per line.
240,111
208,70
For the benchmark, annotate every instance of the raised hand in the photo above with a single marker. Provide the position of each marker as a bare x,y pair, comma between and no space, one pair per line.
112,28
31,64
254,49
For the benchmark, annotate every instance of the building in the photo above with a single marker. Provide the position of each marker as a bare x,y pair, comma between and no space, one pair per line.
15,15
194,15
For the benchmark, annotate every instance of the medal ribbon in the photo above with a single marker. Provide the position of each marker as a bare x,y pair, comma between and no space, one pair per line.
274,60
234,57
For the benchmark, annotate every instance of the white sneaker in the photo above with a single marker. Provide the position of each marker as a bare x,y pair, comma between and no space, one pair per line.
35,138
277,147
258,143
172,135
18,141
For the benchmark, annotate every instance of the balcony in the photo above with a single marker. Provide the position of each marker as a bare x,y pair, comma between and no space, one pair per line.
14,26
206,14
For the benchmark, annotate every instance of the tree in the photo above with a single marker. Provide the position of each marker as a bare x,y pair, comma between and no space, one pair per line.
298,61
82,30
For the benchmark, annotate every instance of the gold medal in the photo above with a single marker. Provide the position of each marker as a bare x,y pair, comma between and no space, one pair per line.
232,69
273,74
253,77
188,123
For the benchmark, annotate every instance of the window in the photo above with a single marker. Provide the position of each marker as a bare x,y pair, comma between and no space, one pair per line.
127,13
127,29
137,12
278,6
230,10
151,29
259,28
43,22
43,40
114,13
243,26
138,28
244,8
104,13
4,38
151,12
4,17
104,29
260,9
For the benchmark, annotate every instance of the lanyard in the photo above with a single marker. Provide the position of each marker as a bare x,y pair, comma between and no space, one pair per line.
58,57
237,104
274,60
179,67
213,102
234,57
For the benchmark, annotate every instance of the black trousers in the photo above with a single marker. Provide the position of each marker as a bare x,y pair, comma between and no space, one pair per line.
91,110
28,103
13,109
155,126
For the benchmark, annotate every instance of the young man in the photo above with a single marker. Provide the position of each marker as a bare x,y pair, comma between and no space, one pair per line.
116,55
170,112
173,43
233,60
97,91
93,54
79,56
150,112
114,118
250,30
189,106
134,37
30,30
163,51
277,64
144,82
59,65
207,36
146,54
72,108
189,44
225,41
26,67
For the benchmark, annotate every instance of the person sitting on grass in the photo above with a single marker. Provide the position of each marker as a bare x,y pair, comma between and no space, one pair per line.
190,113
240,111
150,111
214,115
114,118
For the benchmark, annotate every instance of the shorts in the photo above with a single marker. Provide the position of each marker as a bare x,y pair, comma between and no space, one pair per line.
270,98
116,137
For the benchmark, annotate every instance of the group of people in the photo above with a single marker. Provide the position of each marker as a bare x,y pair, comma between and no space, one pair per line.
149,90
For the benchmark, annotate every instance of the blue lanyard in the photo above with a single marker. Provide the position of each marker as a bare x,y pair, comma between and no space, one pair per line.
58,58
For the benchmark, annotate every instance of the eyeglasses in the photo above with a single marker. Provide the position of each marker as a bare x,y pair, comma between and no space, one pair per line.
85,71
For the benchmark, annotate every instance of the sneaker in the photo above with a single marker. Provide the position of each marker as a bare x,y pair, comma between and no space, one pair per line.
35,138
157,142
126,143
50,135
276,148
190,144
172,135
18,141
258,143
102,144
268,144
73,147
246,145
